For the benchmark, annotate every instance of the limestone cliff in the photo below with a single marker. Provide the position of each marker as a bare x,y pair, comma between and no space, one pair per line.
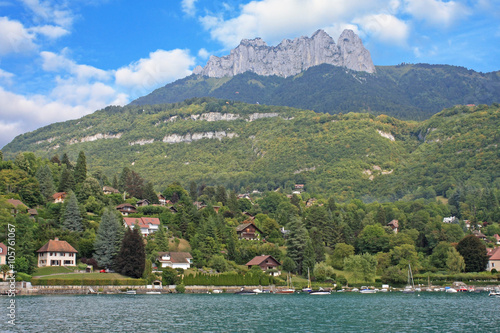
291,57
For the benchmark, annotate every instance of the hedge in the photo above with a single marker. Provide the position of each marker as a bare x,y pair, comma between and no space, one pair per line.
464,277
88,282
228,279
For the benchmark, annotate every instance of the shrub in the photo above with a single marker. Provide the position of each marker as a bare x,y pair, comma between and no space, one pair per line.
23,277
180,288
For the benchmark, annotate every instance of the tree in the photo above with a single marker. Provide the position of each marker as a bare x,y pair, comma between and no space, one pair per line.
46,182
66,181
296,242
193,190
439,255
309,257
289,265
150,194
5,269
342,251
473,250
372,239
323,272
80,173
362,266
221,195
72,220
170,276
218,263
131,259
455,262
108,239
65,160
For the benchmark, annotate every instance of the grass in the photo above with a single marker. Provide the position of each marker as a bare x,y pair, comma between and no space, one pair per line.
183,245
85,276
41,271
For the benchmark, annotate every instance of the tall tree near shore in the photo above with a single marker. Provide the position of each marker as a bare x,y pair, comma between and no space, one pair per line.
296,242
108,239
131,259
473,250
72,219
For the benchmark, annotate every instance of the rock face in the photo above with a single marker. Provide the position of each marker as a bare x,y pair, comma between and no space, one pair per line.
291,57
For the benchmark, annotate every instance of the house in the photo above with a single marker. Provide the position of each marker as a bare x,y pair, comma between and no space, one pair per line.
480,235
148,225
265,263
497,237
59,197
248,231
248,216
32,213
3,254
299,186
19,206
56,253
143,202
394,224
109,190
494,259
162,199
451,219
175,259
126,208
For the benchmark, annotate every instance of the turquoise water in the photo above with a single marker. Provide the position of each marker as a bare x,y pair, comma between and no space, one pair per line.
340,312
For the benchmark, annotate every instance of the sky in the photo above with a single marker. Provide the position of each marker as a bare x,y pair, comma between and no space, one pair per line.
63,59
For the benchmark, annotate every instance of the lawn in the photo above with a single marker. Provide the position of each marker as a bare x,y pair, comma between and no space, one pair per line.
85,276
41,271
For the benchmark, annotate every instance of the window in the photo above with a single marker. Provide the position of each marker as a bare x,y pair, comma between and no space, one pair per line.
62,254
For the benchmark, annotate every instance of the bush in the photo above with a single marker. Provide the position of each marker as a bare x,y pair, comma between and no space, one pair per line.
494,271
180,288
341,280
23,277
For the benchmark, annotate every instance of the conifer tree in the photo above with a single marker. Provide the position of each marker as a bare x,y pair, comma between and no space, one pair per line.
67,181
296,242
131,259
80,173
46,182
150,194
108,239
193,191
65,160
72,220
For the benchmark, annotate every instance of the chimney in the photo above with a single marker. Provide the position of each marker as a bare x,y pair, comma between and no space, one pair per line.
56,239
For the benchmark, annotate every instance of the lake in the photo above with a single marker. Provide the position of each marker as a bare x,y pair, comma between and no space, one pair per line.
339,312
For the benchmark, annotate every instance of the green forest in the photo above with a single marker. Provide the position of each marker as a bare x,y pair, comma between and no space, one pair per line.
322,189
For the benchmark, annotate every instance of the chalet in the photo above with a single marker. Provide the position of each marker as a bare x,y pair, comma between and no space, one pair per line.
59,197
19,206
394,224
248,216
143,202
109,190
248,231
3,254
32,213
265,263
494,259
480,235
299,187
126,208
175,259
57,253
162,199
148,225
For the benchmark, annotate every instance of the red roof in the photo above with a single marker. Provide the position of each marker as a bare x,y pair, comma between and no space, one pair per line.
55,245
143,222
15,202
260,259
3,249
495,254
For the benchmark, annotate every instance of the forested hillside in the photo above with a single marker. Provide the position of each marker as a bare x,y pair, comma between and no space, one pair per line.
405,91
249,147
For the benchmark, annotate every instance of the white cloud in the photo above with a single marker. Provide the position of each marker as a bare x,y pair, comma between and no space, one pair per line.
274,20
49,11
50,31
14,38
384,27
203,53
436,12
188,7
53,62
6,77
160,68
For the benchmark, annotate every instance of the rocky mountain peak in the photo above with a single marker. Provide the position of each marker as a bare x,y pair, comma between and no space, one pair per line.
291,57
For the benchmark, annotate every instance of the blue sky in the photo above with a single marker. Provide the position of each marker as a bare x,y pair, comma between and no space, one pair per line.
62,59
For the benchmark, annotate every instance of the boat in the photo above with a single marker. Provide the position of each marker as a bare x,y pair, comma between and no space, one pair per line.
450,290
308,289
367,291
245,292
217,291
153,292
320,291
289,287
131,292
495,293
410,286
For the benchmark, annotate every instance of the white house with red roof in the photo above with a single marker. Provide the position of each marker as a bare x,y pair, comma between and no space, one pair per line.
175,259
57,253
59,197
3,254
494,259
148,225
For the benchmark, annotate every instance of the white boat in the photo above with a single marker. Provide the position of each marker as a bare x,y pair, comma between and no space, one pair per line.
217,291
367,291
495,293
308,289
320,291
153,292
131,292
450,290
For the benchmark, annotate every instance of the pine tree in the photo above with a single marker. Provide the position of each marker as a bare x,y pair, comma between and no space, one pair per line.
193,191
150,194
296,242
67,181
72,220
309,257
131,259
66,161
108,239
80,173
46,182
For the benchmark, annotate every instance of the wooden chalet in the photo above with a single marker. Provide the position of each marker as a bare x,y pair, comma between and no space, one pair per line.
265,263
394,224
248,231
59,197
126,208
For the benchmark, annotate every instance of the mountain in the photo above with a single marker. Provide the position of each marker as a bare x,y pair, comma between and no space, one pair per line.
291,57
248,146
407,91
